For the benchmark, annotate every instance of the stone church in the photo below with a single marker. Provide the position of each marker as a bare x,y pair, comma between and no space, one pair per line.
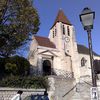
59,54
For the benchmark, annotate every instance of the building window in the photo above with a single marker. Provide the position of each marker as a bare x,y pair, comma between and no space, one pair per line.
63,29
68,30
53,34
83,62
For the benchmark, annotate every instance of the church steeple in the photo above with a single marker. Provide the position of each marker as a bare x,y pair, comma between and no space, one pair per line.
61,33
61,18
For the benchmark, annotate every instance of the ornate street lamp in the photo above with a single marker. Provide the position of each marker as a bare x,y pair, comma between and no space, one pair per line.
87,17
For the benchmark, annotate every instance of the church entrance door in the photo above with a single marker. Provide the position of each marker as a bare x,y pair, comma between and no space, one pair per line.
46,67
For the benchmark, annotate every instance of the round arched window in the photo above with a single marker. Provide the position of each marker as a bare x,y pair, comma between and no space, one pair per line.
83,61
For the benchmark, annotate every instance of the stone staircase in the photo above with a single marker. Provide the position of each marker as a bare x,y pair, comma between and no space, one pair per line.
60,86
82,92
67,89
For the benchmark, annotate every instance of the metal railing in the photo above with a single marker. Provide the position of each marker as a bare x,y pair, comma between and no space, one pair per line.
63,73
55,72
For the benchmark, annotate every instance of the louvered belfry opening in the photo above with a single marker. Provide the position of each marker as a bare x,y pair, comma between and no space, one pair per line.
46,67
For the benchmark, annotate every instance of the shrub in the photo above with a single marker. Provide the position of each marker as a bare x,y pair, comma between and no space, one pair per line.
11,68
2,68
25,82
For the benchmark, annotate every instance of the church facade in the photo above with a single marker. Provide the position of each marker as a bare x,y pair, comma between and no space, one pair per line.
59,54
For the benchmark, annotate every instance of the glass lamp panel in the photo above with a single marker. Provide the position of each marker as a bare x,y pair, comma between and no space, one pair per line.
87,20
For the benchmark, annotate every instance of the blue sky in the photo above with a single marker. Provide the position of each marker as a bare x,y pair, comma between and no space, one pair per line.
48,10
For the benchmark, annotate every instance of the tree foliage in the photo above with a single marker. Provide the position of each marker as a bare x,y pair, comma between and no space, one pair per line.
11,68
15,65
2,68
18,18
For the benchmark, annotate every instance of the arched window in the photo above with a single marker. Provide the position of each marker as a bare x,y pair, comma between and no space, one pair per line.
83,62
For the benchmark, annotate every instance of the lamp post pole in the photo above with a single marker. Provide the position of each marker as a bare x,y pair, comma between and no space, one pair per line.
94,83
87,17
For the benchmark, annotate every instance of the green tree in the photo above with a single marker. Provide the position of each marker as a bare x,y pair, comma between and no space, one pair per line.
18,18
11,68
17,65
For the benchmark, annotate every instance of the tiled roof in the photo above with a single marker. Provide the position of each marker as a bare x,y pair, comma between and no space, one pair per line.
43,41
84,50
61,18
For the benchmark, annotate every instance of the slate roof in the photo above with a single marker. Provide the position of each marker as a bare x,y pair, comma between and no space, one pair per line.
84,50
43,41
61,18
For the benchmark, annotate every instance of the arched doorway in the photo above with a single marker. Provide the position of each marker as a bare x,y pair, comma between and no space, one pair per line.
46,67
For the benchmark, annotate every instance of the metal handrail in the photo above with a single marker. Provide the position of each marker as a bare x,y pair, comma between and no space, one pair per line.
63,73
55,72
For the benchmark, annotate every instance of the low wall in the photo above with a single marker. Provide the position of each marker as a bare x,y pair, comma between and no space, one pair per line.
8,93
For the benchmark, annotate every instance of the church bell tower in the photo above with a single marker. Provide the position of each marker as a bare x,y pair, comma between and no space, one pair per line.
62,34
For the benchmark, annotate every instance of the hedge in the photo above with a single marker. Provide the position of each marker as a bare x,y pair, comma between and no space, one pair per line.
25,82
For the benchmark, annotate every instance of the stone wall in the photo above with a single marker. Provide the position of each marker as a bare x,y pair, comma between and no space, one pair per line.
68,89
59,87
8,93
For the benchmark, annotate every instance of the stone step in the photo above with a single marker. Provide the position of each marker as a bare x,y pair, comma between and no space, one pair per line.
62,86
